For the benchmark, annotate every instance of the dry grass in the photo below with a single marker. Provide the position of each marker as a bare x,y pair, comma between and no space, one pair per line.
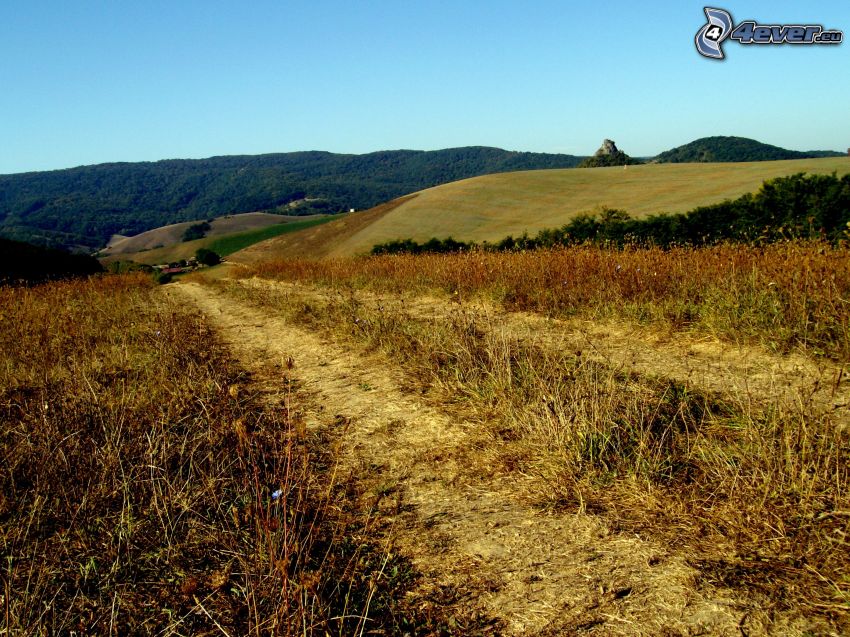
756,488
145,489
794,295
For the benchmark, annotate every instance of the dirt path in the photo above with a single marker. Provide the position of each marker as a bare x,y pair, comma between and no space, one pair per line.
536,573
748,374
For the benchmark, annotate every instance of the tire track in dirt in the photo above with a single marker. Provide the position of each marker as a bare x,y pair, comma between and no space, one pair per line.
749,375
535,572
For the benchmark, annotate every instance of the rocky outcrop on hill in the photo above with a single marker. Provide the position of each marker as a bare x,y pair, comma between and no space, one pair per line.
609,147
608,155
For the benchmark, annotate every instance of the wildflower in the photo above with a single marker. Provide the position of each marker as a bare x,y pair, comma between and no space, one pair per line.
276,494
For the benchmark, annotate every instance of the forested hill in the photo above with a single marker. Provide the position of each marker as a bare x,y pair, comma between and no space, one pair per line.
84,206
723,149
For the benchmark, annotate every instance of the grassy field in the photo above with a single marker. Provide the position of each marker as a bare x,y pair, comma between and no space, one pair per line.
694,399
148,488
751,476
783,296
222,244
231,243
494,206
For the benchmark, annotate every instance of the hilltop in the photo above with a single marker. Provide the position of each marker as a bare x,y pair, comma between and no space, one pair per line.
85,206
734,149
491,207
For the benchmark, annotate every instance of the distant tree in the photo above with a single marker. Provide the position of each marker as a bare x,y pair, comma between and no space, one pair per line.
733,149
207,257
196,231
432,246
121,267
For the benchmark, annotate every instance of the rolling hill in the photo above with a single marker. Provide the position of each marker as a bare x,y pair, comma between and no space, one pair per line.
222,244
734,149
494,206
320,241
86,206
171,235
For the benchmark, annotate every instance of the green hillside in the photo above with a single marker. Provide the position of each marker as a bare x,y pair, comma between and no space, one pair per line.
734,149
87,205
795,207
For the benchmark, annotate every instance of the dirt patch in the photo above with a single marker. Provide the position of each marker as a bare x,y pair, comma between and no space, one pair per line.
532,571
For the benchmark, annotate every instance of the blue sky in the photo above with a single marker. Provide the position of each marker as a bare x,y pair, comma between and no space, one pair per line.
90,82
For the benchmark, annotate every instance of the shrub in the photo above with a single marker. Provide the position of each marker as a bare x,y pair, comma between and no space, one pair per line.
196,231
207,257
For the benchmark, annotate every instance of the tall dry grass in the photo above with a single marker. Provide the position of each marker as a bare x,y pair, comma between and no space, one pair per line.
757,488
145,490
790,295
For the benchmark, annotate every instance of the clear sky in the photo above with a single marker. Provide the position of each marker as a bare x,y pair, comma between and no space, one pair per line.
88,82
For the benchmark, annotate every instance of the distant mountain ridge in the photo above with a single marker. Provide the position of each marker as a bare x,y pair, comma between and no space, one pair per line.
734,149
85,206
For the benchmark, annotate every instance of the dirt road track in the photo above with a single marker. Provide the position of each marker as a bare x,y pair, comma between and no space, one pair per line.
536,572
749,375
